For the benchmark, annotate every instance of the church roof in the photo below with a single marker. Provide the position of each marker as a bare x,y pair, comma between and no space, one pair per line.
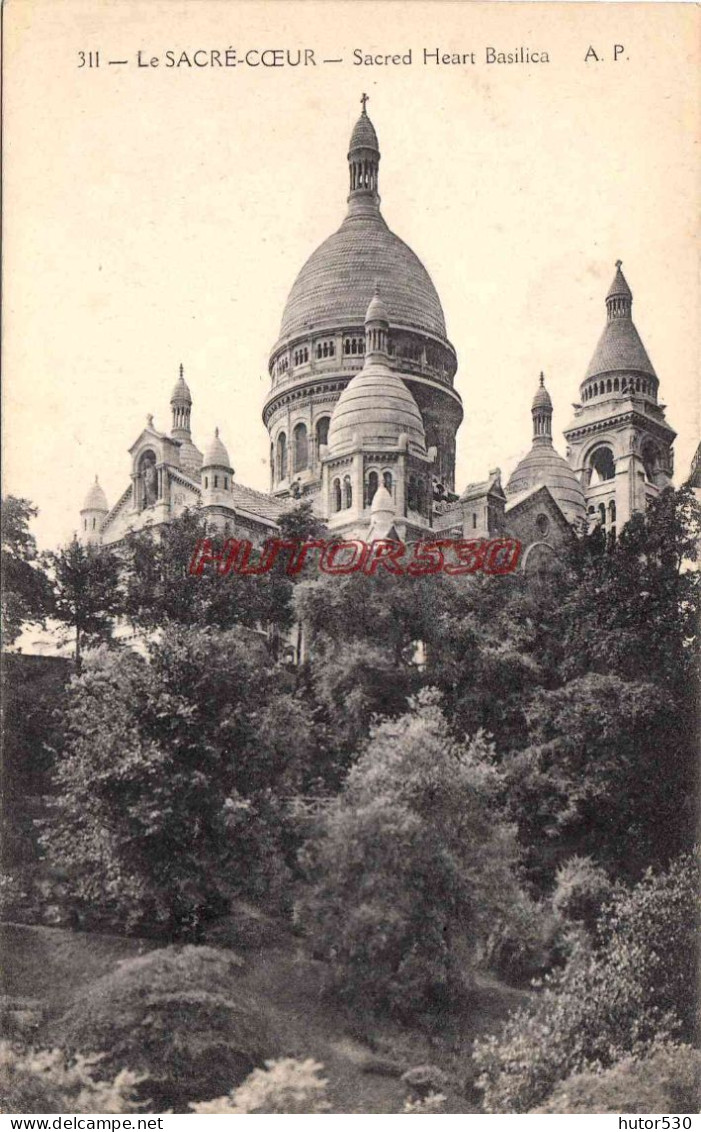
338,280
619,285
363,136
181,391
95,500
377,408
216,454
620,348
335,285
543,466
542,397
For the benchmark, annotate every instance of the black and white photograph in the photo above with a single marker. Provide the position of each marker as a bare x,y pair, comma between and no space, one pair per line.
351,514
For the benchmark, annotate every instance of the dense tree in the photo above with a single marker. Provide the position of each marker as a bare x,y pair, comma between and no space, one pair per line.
26,594
409,866
172,788
87,595
159,587
631,988
605,772
632,608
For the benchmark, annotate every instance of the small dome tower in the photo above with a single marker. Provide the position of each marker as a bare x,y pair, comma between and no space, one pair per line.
217,473
543,465
181,405
92,514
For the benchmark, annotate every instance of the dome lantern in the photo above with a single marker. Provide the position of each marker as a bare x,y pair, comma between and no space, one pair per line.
181,404
542,413
364,159
619,301
376,329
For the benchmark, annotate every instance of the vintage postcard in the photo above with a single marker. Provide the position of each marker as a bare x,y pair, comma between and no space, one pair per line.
351,495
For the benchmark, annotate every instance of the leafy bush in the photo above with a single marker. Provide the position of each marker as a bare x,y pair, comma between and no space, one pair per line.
285,1087
667,1080
47,1081
169,789
176,1016
616,995
581,890
523,943
409,866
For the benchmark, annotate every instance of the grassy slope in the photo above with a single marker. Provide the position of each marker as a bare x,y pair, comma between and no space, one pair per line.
51,966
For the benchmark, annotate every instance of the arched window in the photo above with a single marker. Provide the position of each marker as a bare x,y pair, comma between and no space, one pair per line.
609,387
301,448
281,461
347,492
93,523
615,385
216,481
206,481
474,520
336,492
387,481
373,484
226,483
602,465
322,431
602,514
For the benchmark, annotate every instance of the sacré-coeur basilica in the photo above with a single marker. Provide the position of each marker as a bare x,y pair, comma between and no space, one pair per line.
362,416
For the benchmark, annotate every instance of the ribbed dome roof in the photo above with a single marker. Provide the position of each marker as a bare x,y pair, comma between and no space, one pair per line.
543,465
542,397
216,454
363,135
338,280
619,285
95,500
619,348
181,392
376,407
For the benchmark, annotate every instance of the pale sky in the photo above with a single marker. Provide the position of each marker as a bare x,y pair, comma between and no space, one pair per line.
159,215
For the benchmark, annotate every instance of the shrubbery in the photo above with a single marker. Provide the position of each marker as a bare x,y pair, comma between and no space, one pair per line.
175,1016
284,1087
47,1081
410,866
582,889
522,944
614,997
171,790
668,1079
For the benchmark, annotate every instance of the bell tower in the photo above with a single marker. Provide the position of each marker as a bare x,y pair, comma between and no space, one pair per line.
619,442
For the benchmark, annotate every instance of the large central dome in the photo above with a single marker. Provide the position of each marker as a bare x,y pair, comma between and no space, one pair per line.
321,344
335,285
337,282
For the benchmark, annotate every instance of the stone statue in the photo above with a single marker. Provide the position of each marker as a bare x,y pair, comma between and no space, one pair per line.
150,485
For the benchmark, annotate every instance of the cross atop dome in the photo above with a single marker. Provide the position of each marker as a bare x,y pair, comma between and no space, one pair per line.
364,99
